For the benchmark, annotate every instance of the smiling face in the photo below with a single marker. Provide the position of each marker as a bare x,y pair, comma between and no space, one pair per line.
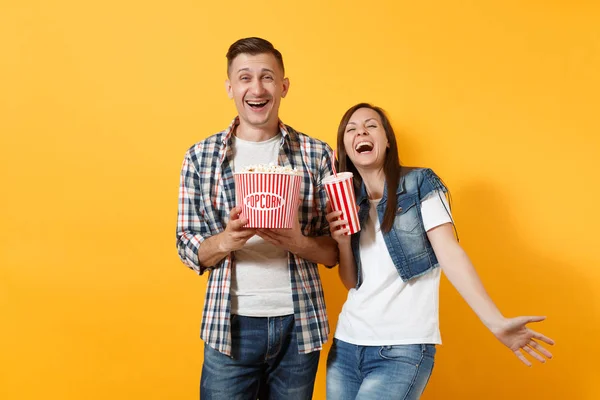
256,83
365,140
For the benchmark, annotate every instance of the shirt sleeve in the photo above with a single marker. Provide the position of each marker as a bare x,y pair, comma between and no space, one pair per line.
435,210
192,228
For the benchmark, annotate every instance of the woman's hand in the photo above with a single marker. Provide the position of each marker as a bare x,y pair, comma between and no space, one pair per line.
515,335
336,226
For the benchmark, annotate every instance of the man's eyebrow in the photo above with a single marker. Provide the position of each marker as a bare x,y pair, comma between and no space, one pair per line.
262,70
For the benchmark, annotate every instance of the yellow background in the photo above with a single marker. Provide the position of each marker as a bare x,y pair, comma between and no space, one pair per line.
100,100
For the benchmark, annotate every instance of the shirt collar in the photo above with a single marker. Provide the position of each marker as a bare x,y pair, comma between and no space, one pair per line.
236,121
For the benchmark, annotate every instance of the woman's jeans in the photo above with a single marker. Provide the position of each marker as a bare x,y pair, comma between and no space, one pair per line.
378,372
265,363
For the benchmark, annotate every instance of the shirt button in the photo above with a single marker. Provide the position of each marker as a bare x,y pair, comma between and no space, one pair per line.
399,209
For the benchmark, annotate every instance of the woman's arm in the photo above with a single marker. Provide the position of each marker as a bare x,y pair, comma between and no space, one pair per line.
457,266
347,266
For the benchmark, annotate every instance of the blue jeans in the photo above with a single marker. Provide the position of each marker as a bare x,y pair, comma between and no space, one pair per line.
265,363
378,372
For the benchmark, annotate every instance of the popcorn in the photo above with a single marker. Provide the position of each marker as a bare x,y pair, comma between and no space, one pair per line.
270,169
268,195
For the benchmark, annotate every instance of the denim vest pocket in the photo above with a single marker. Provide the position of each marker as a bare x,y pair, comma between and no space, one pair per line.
407,215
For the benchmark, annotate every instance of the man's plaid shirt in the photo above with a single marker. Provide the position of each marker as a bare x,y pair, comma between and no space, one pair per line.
207,195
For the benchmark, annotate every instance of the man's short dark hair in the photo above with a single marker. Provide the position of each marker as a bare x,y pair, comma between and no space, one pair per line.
253,46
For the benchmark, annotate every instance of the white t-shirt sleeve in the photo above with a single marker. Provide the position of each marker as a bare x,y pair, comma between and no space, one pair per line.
435,210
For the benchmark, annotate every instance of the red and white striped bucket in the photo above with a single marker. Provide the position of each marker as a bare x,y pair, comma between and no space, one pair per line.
340,191
268,199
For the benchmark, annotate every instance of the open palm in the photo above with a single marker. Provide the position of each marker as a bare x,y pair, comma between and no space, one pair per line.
515,335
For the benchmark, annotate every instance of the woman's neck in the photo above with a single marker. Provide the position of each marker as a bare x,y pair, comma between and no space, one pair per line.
374,180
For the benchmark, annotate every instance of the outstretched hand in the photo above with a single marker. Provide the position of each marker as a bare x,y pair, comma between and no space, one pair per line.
515,335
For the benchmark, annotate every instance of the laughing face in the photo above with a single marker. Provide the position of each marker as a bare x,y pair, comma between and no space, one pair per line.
365,139
256,84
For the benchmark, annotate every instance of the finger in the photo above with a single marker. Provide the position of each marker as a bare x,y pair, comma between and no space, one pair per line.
332,216
235,212
528,319
285,233
245,240
340,233
243,234
327,206
266,236
337,223
540,348
247,232
238,223
533,354
541,337
521,357
268,232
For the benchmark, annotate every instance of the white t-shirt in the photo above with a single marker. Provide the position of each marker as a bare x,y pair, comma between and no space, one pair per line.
384,310
260,284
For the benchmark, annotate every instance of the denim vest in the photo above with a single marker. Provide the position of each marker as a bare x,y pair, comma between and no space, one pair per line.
407,241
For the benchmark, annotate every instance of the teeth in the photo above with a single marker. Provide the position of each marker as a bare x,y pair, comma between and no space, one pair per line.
256,103
364,146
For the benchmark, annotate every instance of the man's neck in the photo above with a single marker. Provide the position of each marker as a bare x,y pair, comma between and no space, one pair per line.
256,134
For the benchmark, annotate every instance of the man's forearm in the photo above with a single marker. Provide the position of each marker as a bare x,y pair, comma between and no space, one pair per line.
321,250
211,251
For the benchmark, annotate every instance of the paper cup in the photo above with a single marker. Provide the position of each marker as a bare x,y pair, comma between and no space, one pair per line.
268,200
340,191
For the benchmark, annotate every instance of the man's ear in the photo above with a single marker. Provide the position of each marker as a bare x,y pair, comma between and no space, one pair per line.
229,89
286,86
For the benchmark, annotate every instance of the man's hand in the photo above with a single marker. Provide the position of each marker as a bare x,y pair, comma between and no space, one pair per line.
320,250
291,240
234,237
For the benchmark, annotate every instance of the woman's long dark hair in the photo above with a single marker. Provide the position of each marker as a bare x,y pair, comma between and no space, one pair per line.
391,166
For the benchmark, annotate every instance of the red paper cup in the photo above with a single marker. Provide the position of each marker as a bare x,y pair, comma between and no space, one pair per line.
340,192
268,199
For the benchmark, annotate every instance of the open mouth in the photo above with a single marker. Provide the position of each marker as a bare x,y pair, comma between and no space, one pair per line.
257,104
363,147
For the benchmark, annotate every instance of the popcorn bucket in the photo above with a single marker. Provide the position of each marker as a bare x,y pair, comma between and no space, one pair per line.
268,200
340,192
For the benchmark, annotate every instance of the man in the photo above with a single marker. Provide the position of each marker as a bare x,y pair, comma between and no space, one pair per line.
264,320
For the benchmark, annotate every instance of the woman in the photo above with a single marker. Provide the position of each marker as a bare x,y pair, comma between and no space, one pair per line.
384,345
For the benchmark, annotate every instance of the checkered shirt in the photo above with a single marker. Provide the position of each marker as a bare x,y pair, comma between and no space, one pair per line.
207,195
